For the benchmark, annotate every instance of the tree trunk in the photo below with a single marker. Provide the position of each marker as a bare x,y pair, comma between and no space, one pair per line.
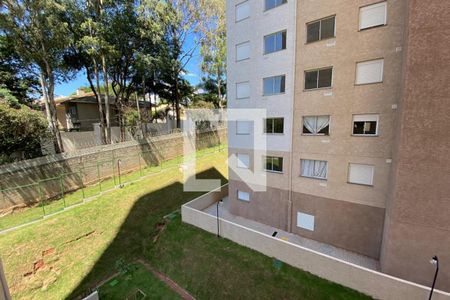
99,101
177,103
51,97
107,105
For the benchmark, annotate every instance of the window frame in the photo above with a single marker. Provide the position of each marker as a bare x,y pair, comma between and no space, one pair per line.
375,26
317,134
314,177
273,85
274,33
320,29
272,158
358,183
363,134
273,125
317,79
268,9
235,11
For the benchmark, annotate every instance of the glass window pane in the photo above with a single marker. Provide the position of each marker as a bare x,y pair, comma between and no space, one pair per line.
277,164
313,32
325,130
325,78
278,125
268,163
269,44
268,126
310,80
327,28
282,84
268,86
358,127
370,127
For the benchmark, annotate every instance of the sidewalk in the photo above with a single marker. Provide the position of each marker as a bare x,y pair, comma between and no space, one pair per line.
338,253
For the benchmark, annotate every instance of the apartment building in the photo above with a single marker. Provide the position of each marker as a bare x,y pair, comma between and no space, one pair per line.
349,161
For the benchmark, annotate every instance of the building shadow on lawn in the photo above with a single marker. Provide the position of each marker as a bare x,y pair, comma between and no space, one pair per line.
139,231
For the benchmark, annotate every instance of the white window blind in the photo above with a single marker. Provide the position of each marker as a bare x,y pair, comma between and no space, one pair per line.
242,90
369,71
244,196
365,118
242,11
372,15
360,174
305,221
314,168
243,51
243,161
243,127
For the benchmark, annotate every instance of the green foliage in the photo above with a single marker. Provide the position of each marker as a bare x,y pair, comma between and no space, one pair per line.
21,129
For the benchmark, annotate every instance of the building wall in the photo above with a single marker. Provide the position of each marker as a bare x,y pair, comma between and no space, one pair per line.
418,223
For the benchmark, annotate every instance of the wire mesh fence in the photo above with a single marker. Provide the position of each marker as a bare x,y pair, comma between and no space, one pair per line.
47,196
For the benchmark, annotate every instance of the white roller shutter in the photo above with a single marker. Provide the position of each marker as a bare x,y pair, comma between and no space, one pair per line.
243,127
369,71
244,196
372,15
242,90
305,221
243,161
361,174
242,11
243,51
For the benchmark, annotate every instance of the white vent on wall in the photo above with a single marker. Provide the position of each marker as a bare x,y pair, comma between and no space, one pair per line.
372,15
242,11
242,90
305,221
369,71
243,51
361,174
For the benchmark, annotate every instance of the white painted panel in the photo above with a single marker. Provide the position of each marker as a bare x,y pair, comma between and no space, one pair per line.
361,174
242,11
372,15
244,196
369,71
243,127
305,221
243,51
242,90
243,161
365,118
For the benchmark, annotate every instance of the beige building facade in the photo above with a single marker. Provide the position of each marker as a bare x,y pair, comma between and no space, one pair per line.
363,94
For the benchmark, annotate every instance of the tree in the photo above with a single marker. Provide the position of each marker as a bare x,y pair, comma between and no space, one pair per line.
16,75
214,48
21,129
41,39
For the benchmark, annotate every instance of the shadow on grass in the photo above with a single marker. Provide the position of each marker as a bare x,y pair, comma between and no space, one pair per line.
139,231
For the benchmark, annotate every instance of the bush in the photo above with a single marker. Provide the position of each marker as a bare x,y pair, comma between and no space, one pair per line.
21,130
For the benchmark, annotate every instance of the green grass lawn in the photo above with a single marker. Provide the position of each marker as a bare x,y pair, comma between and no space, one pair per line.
137,283
67,254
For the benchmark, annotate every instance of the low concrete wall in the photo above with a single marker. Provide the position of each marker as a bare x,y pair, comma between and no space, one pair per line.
375,284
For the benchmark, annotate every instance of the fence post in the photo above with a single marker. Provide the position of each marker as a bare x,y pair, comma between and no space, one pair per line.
113,165
61,185
140,167
98,177
82,185
41,196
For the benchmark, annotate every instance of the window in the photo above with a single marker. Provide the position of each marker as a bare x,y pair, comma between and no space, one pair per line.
273,164
369,71
365,124
360,174
321,29
316,79
243,196
274,3
243,127
242,11
274,125
305,221
242,90
275,42
274,85
243,51
316,125
243,161
372,15
314,168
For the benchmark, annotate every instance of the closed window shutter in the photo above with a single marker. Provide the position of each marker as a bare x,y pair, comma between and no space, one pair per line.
242,90
369,71
244,196
361,174
242,11
243,161
305,221
365,118
243,127
243,51
372,15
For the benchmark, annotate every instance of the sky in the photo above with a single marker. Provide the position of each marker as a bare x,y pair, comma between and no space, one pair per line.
193,74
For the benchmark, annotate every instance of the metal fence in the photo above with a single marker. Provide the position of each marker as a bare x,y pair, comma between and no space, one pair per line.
48,196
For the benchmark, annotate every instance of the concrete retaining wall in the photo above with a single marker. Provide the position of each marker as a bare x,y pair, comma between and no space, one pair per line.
375,284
